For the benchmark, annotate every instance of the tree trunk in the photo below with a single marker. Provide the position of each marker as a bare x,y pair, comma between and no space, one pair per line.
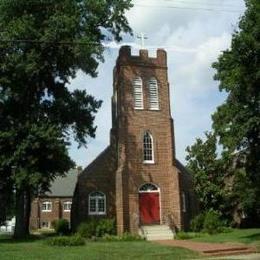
22,214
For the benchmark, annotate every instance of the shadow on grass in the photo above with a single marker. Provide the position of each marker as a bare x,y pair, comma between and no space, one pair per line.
253,237
7,239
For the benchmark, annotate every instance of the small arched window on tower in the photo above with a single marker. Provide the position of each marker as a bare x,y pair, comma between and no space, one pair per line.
153,94
138,93
148,148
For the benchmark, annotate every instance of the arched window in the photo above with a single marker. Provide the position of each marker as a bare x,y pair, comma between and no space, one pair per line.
97,203
153,94
148,148
46,206
138,93
67,206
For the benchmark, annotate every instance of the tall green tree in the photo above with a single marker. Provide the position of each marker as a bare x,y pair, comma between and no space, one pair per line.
219,180
237,121
43,43
207,172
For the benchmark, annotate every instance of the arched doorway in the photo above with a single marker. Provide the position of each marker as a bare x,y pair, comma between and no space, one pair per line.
149,204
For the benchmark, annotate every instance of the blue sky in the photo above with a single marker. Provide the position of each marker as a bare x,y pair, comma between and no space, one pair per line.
193,32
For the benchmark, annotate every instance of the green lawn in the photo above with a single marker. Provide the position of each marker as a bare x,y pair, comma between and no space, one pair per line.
37,249
244,236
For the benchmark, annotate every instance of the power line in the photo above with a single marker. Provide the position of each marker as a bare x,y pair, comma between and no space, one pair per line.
48,42
191,8
199,3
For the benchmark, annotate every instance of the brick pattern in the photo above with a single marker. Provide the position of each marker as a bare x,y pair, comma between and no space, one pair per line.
119,171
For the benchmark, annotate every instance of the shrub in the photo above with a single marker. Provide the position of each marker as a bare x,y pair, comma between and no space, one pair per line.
66,241
212,222
198,222
61,226
87,229
185,235
105,227
124,237
97,228
226,229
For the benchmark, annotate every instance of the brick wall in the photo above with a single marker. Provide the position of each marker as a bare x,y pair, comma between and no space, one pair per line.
38,216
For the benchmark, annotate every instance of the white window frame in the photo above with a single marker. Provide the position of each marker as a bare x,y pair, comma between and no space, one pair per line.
152,148
97,198
47,205
138,93
153,94
68,204
149,188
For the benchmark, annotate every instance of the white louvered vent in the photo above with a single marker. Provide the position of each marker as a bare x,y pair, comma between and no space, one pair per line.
153,94
138,93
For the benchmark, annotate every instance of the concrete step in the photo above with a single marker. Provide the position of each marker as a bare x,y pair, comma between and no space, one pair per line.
156,232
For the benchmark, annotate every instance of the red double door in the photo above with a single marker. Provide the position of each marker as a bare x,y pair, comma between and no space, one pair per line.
149,204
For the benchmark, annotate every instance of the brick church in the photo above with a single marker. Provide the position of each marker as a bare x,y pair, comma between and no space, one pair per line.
137,179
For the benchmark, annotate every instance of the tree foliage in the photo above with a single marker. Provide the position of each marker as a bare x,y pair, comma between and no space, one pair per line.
220,181
236,125
208,173
237,121
43,43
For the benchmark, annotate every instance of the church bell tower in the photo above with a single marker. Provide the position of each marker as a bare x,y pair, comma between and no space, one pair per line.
146,180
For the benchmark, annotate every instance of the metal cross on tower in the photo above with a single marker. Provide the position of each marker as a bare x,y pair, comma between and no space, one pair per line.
142,37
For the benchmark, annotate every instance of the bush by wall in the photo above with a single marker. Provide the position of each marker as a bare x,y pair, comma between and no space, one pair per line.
197,223
208,222
105,227
97,228
212,222
61,226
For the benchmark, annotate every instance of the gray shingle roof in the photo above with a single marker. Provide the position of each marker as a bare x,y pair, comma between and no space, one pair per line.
64,186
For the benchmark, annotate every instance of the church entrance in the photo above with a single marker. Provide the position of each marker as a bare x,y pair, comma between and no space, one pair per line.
149,204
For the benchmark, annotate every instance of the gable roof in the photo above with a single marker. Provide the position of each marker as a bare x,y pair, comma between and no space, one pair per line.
64,186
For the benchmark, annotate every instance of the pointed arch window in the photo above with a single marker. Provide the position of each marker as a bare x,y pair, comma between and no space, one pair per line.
138,93
153,94
148,153
97,203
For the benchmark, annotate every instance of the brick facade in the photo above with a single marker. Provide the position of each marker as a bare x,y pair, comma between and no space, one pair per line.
61,191
119,171
39,216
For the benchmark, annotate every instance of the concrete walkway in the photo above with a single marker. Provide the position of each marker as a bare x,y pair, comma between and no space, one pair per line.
211,249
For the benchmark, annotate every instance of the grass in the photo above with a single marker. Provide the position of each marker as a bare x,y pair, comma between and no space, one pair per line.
243,236
35,248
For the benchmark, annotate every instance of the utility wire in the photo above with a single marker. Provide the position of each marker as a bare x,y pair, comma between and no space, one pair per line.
40,2
190,8
48,42
203,4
